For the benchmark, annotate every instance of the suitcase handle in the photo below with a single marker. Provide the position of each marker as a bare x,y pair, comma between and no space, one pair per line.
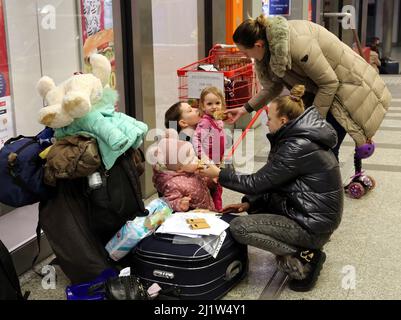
233,269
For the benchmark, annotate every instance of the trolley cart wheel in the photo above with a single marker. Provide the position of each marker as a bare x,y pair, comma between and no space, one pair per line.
356,190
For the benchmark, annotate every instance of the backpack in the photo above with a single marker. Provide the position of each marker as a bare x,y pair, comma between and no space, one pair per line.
78,221
119,199
9,284
21,169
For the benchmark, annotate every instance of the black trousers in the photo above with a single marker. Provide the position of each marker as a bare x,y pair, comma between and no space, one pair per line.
308,99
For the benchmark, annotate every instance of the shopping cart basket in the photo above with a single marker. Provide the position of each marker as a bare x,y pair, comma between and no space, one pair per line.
239,74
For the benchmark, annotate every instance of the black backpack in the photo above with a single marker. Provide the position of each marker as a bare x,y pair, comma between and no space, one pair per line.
78,223
9,284
119,199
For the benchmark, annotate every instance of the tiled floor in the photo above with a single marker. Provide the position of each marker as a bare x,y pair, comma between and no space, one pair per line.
363,256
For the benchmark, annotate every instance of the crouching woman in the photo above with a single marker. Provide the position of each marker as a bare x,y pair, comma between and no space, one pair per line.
295,201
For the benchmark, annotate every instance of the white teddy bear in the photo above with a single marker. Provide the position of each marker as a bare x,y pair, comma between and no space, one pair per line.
74,97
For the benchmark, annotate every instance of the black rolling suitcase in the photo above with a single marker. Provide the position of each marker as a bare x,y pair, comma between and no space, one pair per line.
184,271
389,67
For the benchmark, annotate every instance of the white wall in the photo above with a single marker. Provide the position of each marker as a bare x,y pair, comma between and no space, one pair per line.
175,39
34,52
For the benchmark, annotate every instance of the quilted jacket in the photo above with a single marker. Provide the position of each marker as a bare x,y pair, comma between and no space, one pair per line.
114,131
301,178
302,52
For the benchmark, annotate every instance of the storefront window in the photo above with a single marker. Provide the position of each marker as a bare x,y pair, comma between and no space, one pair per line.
42,37
97,32
45,37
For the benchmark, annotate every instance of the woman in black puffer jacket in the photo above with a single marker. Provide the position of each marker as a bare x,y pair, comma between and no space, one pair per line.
297,195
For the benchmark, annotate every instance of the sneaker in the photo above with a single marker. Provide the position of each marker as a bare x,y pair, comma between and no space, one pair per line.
313,260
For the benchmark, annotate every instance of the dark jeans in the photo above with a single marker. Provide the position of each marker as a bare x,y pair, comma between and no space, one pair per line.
275,233
308,99
340,133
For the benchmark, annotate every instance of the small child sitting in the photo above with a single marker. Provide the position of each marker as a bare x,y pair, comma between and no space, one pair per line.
175,177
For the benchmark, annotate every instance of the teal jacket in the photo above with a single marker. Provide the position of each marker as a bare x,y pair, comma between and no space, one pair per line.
115,132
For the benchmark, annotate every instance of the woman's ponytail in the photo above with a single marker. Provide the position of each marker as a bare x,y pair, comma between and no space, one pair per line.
291,106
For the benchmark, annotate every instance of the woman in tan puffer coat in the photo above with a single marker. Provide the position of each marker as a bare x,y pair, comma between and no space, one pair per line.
340,83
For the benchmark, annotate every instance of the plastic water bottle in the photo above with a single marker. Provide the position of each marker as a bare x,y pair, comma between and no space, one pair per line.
95,180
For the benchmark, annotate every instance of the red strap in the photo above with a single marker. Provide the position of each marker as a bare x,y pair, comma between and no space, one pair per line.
255,117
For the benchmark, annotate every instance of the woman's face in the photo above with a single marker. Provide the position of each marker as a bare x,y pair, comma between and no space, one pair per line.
275,122
256,52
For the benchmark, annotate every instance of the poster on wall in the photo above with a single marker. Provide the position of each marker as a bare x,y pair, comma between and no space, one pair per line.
6,118
276,7
97,32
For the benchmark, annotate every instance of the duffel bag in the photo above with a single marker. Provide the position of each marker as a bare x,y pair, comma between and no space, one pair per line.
21,169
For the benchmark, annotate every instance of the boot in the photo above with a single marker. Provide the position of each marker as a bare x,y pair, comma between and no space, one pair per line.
312,260
126,288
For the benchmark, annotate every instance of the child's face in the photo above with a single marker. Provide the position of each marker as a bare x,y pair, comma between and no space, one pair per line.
211,104
191,163
189,116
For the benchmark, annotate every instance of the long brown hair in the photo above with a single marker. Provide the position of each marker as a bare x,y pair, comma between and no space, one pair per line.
291,106
250,31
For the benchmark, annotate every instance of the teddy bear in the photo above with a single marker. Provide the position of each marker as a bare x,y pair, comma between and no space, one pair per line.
74,97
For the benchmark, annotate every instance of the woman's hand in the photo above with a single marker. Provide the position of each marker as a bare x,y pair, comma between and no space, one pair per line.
234,114
236,208
210,170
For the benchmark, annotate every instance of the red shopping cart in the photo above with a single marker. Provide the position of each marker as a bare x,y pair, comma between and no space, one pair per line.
238,70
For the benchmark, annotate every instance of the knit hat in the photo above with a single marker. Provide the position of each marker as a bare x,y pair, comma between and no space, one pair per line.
174,153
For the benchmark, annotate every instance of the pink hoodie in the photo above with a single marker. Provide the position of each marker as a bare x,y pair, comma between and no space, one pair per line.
174,186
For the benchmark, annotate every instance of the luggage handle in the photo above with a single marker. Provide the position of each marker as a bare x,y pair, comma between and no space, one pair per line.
233,269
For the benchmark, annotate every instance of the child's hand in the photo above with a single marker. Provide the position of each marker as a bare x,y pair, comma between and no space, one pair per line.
184,204
211,171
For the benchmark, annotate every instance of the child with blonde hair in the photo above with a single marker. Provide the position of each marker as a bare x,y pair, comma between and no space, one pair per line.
209,137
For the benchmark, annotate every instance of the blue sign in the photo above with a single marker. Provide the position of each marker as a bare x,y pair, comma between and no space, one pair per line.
276,7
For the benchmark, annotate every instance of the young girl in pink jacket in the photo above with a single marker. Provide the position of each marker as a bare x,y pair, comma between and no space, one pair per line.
175,176
209,137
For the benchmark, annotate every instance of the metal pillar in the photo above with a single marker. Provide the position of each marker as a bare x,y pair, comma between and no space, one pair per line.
142,56
364,23
388,13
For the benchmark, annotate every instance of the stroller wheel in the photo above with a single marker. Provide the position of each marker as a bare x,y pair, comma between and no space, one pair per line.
373,182
356,190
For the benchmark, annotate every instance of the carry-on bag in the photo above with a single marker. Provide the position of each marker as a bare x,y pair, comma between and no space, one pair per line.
9,284
21,169
65,220
187,271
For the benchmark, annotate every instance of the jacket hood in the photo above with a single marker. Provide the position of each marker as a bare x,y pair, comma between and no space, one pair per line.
309,125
